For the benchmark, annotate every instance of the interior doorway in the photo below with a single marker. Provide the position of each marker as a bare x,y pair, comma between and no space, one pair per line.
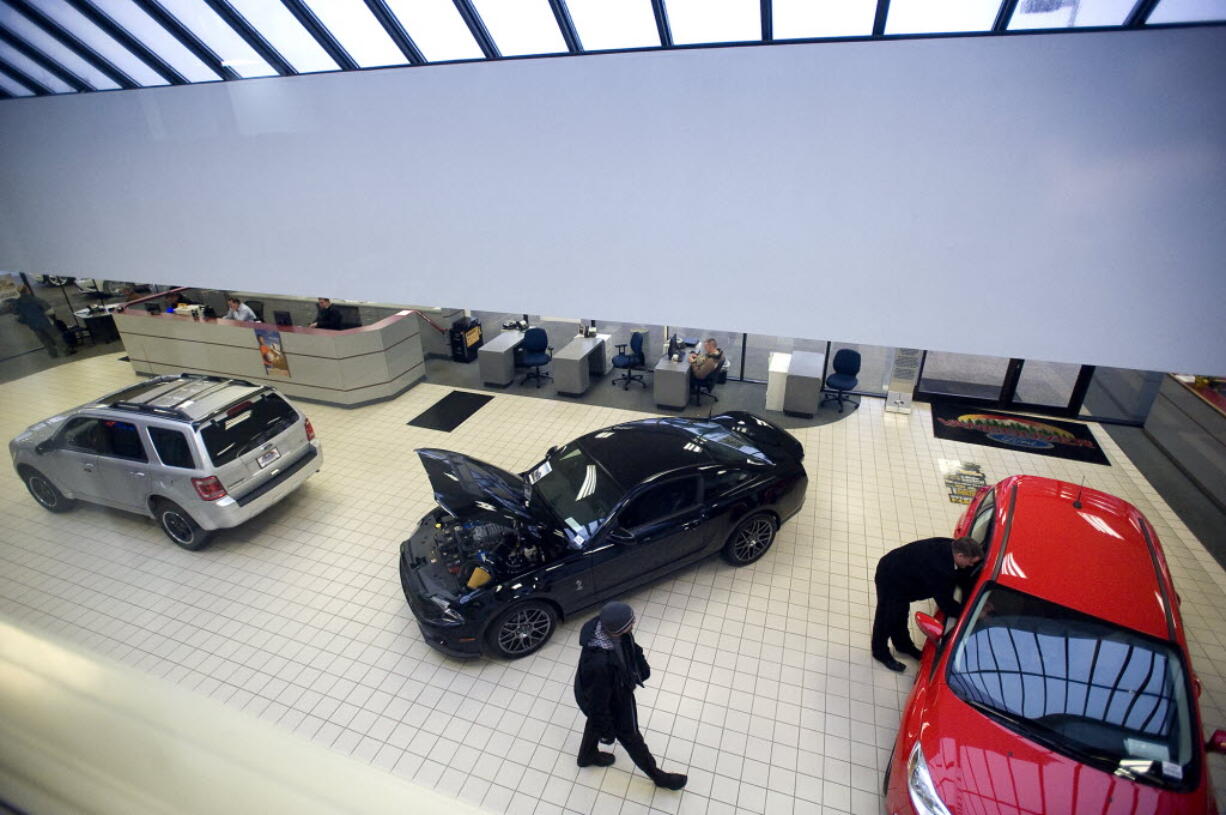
1034,386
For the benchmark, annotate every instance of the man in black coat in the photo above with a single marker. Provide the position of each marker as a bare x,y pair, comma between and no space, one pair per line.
610,667
327,315
920,570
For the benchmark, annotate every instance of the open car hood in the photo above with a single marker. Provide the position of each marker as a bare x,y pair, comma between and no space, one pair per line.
473,490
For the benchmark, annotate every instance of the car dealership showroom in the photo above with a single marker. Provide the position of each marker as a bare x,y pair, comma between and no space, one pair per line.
613,406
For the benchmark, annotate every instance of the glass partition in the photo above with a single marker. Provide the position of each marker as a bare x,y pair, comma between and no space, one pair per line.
758,348
875,362
1121,394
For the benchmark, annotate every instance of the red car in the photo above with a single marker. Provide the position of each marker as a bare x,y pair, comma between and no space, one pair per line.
1065,687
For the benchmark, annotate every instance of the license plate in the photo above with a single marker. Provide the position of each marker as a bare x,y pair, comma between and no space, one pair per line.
268,457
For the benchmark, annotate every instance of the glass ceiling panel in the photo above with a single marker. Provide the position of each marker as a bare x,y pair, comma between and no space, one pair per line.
1189,11
437,28
607,24
358,32
286,34
695,21
33,70
1069,13
234,51
14,87
521,26
794,19
144,28
937,16
40,39
99,41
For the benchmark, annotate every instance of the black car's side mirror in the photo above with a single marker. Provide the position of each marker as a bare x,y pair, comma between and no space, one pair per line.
622,535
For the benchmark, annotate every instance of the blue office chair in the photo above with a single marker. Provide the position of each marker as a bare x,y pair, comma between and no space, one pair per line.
636,360
846,367
706,387
535,352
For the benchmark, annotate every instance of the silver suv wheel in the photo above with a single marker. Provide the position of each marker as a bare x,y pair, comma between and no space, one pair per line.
180,527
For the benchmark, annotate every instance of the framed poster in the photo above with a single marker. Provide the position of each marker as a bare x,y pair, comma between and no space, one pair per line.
271,352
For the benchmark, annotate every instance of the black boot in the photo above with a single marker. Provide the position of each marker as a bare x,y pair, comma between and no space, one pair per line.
598,758
669,781
888,661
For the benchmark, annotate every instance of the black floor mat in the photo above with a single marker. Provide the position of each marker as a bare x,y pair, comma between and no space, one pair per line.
1008,431
450,412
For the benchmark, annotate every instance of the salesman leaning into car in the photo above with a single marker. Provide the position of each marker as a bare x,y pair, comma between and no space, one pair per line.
920,570
610,665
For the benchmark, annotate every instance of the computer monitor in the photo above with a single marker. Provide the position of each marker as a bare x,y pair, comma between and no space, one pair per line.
674,346
283,318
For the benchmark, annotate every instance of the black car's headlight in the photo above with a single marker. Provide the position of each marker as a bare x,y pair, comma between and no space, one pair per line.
924,796
445,612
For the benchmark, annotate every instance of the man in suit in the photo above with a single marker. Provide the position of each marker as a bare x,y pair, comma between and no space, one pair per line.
610,666
921,570
327,316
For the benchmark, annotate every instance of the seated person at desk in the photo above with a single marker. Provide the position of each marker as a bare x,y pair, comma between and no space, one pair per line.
176,299
708,362
239,311
328,315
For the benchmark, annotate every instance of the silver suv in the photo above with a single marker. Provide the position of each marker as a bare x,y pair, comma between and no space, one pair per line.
197,453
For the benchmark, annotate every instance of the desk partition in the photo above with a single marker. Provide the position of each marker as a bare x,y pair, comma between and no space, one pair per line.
348,367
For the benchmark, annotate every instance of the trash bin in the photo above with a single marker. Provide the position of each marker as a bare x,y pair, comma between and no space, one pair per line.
465,336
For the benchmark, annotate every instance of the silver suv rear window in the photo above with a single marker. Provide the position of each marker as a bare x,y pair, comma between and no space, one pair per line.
245,426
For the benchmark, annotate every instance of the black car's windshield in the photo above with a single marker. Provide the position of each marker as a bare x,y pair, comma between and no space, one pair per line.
577,489
1101,694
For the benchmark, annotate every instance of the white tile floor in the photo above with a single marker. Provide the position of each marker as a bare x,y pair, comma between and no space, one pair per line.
762,687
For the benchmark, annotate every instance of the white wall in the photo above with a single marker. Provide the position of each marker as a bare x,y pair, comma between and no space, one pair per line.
1057,197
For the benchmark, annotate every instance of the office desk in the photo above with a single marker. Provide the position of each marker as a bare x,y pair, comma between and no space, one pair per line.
349,367
496,359
576,364
803,392
672,383
100,322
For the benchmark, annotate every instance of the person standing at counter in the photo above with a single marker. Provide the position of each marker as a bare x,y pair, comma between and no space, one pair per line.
239,311
31,312
328,315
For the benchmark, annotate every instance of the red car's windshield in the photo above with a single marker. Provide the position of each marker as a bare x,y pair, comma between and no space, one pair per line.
1101,694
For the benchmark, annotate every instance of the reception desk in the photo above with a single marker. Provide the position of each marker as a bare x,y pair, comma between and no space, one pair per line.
348,367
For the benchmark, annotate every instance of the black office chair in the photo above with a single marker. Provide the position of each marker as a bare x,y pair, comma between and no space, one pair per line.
846,368
706,387
256,306
283,318
535,352
636,360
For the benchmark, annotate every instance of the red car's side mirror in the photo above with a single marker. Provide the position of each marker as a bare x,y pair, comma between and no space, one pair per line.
1217,744
931,627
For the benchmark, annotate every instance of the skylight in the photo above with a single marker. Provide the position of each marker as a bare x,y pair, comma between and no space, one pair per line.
1069,13
697,21
607,24
358,32
937,16
53,48
1189,11
151,34
33,70
437,29
95,38
796,19
521,26
232,49
286,34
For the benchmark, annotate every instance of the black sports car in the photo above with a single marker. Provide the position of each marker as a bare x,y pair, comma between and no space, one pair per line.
504,557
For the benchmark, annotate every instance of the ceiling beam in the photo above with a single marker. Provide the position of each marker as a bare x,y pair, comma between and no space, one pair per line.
43,61
70,41
25,79
883,12
768,21
391,24
477,26
567,26
1139,15
186,38
662,27
122,36
322,35
1003,16
253,38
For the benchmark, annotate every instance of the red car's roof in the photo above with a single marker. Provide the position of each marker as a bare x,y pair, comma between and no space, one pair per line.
1094,559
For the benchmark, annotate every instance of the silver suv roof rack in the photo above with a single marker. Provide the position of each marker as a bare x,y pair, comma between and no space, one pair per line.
180,390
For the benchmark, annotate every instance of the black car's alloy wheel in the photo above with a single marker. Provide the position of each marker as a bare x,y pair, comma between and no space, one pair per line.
45,493
180,527
750,540
522,629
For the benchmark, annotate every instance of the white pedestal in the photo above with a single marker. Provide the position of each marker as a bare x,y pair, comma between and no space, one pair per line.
776,379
